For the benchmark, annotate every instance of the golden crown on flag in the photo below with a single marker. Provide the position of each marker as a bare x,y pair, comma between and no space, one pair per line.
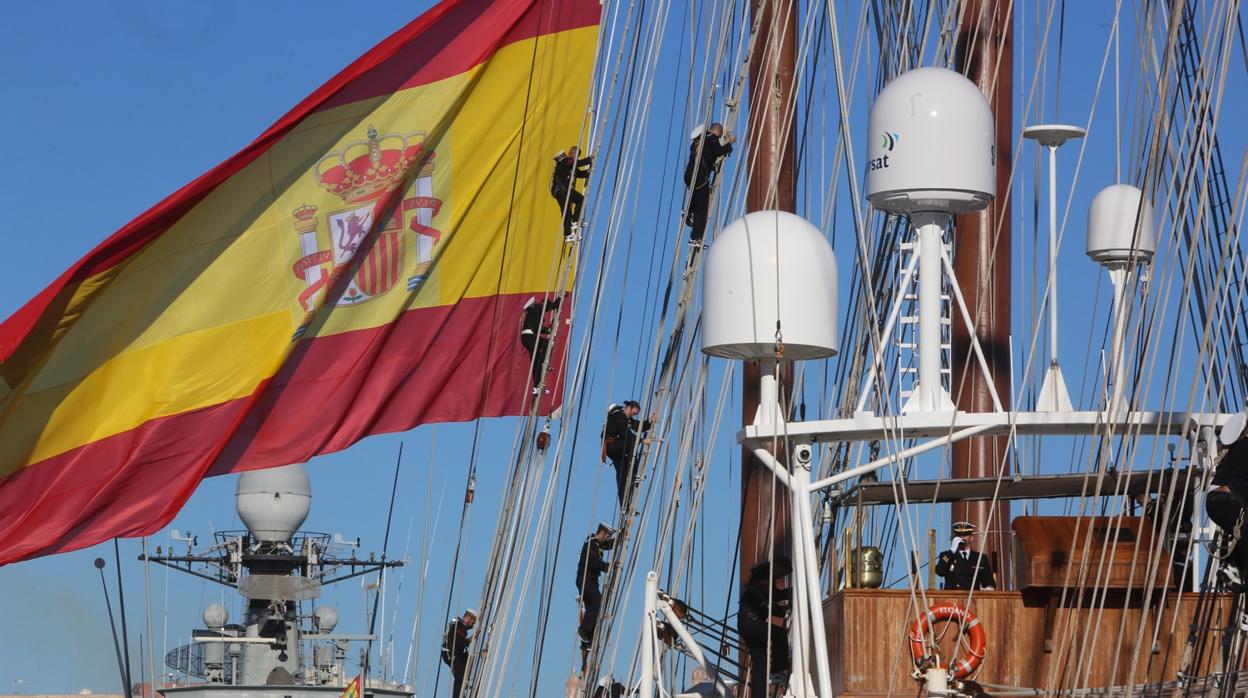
365,169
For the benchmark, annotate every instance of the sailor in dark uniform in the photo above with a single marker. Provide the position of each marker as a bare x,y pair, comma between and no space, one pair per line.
962,567
568,169
589,567
619,442
1227,500
535,334
705,152
455,648
761,621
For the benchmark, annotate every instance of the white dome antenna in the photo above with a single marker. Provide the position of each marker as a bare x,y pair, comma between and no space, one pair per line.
930,154
770,268
1120,227
1121,235
930,145
770,281
273,503
215,616
326,618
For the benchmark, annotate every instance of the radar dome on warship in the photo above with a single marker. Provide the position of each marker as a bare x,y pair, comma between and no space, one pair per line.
274,566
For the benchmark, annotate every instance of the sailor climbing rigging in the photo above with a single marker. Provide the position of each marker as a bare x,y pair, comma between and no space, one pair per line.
568,169
535,334
455,648
761,621
589,567
1227,502
962,567
619,442
705,151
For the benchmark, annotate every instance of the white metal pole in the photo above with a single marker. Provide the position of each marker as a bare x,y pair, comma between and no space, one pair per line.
1118,277
929,229
894,457
799,676
1053,255
693,648
803,521
647,635
768,397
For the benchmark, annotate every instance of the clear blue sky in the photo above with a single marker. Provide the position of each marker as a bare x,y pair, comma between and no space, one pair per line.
112,106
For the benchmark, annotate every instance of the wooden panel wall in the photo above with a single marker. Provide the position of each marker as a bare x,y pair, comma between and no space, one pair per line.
1093,641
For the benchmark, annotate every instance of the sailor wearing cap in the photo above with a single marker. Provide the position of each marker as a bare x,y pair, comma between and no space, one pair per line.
1227,501
765,602
608,687
962,567
455,647
706,148
535,334
588,568
619,442
569,167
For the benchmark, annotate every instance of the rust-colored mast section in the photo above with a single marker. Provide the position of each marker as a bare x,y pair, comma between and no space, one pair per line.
770,152
982,243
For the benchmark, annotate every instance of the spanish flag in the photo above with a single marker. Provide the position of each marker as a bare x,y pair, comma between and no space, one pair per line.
360,268
352,689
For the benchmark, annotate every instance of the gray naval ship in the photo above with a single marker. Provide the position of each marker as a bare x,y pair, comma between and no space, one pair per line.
278,649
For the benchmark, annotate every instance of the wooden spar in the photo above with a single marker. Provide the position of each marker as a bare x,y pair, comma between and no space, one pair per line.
770,151
982,243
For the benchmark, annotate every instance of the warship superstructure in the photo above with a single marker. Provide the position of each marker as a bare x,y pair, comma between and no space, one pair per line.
284,646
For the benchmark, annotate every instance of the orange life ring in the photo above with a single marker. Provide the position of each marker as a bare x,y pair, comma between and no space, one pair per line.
950,612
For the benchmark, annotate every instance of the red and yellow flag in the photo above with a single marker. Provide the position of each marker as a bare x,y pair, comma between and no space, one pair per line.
360,268
352,689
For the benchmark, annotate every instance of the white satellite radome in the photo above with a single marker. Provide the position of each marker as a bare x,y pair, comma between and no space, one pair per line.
326,618
930,146
1112,226
215,616
764,267
1232,430
273,503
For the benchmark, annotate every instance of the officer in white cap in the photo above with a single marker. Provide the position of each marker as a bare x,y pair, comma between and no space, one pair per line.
962,567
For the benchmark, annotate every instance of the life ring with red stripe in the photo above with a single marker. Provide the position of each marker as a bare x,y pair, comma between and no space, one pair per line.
922,629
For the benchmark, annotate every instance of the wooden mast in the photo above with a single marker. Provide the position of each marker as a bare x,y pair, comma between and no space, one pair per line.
770,152
982,243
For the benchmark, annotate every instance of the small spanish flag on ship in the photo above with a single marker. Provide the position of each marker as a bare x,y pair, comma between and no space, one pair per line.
352,689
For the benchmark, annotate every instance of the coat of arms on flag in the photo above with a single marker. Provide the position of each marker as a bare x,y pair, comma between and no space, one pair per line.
365,174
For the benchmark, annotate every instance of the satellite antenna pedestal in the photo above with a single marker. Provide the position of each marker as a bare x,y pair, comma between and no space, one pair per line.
930,395
930,156
770,290
1053,394
1121,238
